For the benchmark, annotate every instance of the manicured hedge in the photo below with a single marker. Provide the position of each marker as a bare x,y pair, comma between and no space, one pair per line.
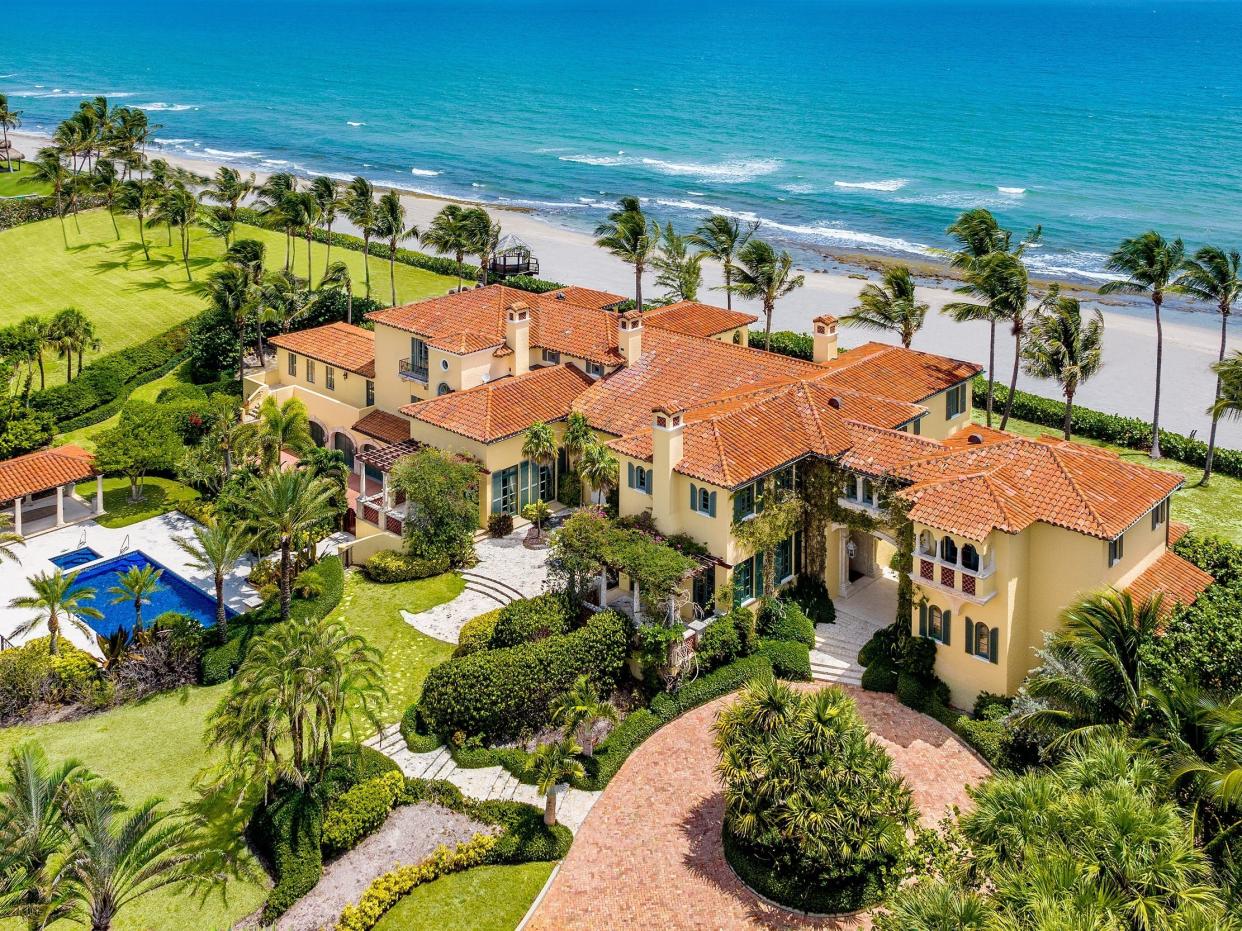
529,619
360,810
790,659
18,211
1130,432
390,566
494,694
787,343
785,620
476,633
288,832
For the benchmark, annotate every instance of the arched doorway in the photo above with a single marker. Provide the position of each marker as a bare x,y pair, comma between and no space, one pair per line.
317,433
342,443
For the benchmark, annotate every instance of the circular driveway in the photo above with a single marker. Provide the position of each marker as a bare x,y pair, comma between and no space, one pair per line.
649,854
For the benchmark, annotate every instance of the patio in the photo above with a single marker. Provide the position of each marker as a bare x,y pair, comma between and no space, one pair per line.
39,489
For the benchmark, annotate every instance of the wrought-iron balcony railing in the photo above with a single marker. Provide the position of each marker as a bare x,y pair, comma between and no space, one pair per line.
407,368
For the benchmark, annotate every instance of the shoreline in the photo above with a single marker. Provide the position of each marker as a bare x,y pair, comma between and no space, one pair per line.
1124,384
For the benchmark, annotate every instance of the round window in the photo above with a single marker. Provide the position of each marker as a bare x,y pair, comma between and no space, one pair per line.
444,364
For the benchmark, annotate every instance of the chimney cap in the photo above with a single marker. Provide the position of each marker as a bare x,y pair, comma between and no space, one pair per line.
825,318
670,409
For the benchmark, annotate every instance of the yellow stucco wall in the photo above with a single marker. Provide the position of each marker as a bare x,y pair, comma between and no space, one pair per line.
935,424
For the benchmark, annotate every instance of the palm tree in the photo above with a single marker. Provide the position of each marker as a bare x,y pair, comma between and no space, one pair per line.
890,307
282,300
763,274
55,596
216,223
138,198
630,237
106,182
539,444
177,207
580,709
337,280
216,547
1229,404
553,764
75,334
449,233
273,202
390,225
39,335
299,682
118,855
304,213
599,468
228,189
721,238
9,539
1064,347
327,194
1000,280
49,168
1212,276
286,505
359,207
1150,261
484,238
9,119
231,290
279,426
679,271
1092,677
136,585
578,436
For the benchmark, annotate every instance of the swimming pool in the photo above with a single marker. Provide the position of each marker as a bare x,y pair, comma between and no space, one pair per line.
79,557
174,594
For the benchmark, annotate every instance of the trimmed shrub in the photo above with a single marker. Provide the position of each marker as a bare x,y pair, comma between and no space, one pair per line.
927,695
499,525
359,811
880,648
416,740
495,693
25,677
288,832
787,343
811,595
529,619
391,566
724,680
524,837
476,633
991,738
918,658
718,644
437,791
880,676
569,489
621,741
785,620
790,659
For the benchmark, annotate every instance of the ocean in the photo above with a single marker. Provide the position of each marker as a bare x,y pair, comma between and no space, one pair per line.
842,125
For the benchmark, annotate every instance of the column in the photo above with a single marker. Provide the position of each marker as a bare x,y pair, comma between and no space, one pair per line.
362,484
60,505
603,588
99,494
638,611
17,516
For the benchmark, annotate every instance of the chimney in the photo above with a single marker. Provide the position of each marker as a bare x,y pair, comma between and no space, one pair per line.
667,426
825,347
517,336
630,335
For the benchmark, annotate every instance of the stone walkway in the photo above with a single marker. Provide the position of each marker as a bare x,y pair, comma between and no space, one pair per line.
859,616
486,782
649,855
506,571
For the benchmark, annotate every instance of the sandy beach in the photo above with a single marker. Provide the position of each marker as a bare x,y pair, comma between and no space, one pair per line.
1124,385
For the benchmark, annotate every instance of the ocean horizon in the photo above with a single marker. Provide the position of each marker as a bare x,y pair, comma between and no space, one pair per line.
841,125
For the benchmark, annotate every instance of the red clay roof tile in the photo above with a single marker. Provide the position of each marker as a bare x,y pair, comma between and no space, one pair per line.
48,468
348,347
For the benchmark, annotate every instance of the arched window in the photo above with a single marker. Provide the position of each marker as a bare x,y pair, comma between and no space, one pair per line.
948,549
982,641
927,543
317,433
443,388
935,623
970,558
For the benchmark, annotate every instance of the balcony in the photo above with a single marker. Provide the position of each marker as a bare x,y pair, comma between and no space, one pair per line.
372,510
411,370
954,579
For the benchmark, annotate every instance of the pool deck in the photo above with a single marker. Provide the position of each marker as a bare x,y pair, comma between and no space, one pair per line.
153,536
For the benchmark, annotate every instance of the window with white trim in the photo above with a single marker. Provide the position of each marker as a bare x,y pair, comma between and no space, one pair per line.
329,377
1116,550
293,364
982,641
639,478
551,357
595,369
935,623
955,401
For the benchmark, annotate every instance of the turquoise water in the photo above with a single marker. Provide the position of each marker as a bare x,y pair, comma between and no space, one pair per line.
173,594
843,125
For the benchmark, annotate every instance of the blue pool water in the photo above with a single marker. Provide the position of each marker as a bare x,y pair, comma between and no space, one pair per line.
174,594
76,558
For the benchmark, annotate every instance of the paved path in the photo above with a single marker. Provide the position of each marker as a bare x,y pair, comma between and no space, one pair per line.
649,855
507,570
487,782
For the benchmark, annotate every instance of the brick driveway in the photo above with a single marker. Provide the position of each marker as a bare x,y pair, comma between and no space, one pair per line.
649,854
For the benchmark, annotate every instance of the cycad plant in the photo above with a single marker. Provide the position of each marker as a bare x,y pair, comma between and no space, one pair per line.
57,597
554,764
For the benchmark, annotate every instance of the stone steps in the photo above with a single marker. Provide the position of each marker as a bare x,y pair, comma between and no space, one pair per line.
835,656
501,592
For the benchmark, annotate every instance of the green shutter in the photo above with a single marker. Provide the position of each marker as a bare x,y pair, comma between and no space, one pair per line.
947,626
694,497
650,481
922,620
994,645
756,585
497,486
711,505
629,474
970,636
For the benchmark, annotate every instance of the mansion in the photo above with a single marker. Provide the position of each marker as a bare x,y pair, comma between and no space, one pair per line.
1008,530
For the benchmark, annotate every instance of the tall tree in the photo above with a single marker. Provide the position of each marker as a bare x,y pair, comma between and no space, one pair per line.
229,188
391,226
553,764
1064,347
280,426
285,505
1229,402
1212,277
1150,262
721,238
359,207
217,547
38,334
75,334
679,271
178,208
327,194
890,307
484,238
9,119
633,239
48,168
449,234
599,468
231,290
274,207
136,586
765,275
105,181
580,709
138,198
56,597
337,280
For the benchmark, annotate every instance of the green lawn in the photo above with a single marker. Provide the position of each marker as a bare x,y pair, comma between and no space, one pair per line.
149,748
373,610
1216,509
85,436
486,898
160,495
12,184
131,299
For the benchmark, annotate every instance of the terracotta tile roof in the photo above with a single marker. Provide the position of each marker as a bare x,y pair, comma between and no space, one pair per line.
970,505
1178,579
576,331
347,347
480,311
1081,488
876,451
47,468
976,435
384,426
897,373
696,319
459,344
504,407
1177,530
587,297
385,457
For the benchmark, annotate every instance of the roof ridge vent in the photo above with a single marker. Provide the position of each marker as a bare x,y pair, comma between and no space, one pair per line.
834,402
975,439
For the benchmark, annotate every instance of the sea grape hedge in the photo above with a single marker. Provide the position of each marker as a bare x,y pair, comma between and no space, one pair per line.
493,694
